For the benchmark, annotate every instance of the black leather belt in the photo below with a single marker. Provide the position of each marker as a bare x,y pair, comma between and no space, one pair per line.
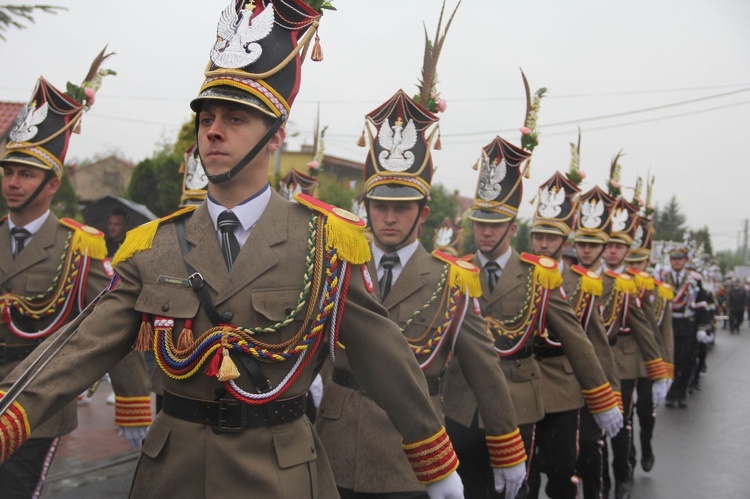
547,352
523,353
347,379
612,341
12,353
232,416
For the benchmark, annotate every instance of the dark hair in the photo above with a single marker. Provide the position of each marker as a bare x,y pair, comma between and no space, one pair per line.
118,212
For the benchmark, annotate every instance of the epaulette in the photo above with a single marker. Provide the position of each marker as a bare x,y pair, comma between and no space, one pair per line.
345,231
665,290
142,237
591,282
623,282
89,240
546,272
463,274
643,280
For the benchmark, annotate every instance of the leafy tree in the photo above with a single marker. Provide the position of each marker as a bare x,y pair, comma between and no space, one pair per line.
65,202
442,204
155,182
703,236
332,191
11,16
728,260
669,222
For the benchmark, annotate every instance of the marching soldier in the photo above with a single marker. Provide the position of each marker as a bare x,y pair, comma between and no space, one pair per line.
520,298
430,297
557,434
50,269
237,298
655,302
635,334
688,298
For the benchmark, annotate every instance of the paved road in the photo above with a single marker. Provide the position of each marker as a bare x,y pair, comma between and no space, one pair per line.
701,452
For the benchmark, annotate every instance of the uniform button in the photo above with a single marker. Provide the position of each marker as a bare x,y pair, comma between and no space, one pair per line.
227,316
8,288
519,363
165,307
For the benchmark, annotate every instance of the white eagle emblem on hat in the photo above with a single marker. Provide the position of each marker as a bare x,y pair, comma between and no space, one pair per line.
238,34
490,179
619,219
591,213
550,202
27,120
638,240
397,156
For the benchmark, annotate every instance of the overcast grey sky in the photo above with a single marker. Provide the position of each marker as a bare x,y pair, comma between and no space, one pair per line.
597,58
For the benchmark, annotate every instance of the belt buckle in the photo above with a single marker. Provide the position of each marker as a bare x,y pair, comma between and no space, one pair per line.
224,425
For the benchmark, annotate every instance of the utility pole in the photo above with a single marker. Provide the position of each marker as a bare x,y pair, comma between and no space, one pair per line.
744,244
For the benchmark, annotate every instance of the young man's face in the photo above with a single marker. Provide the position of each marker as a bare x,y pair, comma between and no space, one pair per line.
227,132
547,244
678,263
21,181
487,235
614,254
588,253
639,266
392,222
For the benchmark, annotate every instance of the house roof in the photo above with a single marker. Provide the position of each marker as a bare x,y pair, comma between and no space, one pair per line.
8,113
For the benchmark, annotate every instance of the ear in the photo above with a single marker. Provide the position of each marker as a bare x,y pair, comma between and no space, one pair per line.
278,138
424,214
513,229
53,185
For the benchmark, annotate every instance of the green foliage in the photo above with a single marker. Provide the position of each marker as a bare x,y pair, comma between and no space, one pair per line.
12,15
728,260
522,240
185,138
65,203
332,191
669,222
155,182
441,205
703,236
467,246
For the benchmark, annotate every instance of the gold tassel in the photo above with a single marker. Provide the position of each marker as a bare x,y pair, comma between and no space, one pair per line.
475,166
644,282
91,244
348,239
142,237
547,278
361,140
666,292
186,338
317,52
145,335
592,286
228,370
626,285
438,143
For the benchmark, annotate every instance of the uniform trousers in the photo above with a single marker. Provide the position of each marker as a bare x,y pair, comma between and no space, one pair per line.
685,345
22,475
474,466
591,461
622,441
644,408
555,454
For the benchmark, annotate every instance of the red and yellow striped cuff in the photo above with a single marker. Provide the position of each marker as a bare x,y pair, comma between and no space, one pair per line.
655,369
132,411
432,459
506,450
14,429
600,399
620,405
669,369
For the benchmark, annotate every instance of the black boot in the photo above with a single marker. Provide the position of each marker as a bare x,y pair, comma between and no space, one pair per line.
647,456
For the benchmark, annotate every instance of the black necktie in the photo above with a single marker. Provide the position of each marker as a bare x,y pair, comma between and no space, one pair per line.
20,236
230,246
492,267
387,262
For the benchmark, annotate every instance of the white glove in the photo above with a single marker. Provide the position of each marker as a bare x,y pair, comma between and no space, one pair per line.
659,390
610,421
510,479
134,435
702,336
449,487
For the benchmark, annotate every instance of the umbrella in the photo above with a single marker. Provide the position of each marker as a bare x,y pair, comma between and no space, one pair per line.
95,213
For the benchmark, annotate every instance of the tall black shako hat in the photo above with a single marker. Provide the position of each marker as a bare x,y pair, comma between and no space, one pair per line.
256,61
399,164
499,189
625,221
593,223
556,207
42,130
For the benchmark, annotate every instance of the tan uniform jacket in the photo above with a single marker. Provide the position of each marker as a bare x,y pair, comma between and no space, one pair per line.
641,338
32,273
560,389
523,375
664,338
361,442
188,460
